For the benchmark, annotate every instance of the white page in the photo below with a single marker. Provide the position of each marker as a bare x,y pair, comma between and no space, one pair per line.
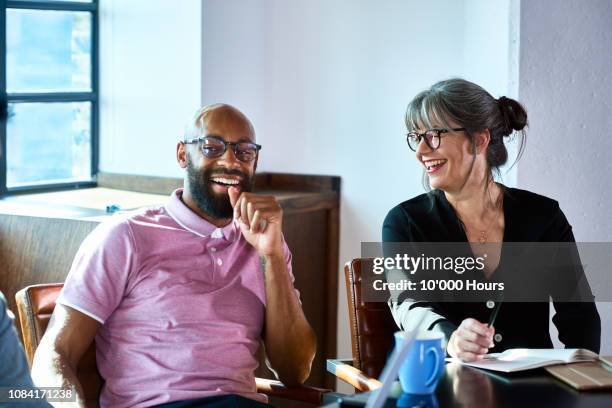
525,359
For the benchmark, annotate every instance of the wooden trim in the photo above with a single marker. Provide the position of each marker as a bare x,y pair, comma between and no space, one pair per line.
352,376
351,297
141,184
297,182
331,290
263,181
27,325
273,388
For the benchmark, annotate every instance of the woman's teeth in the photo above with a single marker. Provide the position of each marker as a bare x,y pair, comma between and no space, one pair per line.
434,163
221,180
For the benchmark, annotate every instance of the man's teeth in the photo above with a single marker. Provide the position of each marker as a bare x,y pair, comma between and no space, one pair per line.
433,163
222,180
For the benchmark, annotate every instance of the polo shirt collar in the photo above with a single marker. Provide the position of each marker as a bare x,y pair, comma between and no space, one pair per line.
195,224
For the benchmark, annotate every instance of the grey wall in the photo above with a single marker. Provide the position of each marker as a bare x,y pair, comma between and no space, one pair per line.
565,82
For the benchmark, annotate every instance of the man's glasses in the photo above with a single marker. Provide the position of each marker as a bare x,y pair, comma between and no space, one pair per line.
214,146
431,138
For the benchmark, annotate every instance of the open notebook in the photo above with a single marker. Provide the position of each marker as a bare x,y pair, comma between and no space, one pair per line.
525,359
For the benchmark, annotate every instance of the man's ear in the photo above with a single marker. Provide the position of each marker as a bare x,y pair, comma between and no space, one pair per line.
181,154
482,139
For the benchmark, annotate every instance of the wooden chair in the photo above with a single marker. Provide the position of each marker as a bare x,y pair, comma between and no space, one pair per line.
35,305
372,328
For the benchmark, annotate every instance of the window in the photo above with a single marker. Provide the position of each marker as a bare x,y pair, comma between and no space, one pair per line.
49,92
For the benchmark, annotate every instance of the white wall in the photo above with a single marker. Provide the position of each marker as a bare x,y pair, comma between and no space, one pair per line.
491,56
566,86
150,82
233,55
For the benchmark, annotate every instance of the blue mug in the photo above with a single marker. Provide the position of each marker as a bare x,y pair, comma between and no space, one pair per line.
424,364
416,400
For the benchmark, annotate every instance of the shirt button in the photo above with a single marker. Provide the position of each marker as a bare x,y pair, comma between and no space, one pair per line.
219,261
490,304
498,337
213,249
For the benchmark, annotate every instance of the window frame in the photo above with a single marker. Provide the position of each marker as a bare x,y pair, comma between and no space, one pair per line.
91,96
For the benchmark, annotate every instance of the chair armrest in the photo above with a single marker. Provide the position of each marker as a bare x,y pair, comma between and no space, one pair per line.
344,370
303,393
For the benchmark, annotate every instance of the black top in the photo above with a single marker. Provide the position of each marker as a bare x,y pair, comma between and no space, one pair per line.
529,217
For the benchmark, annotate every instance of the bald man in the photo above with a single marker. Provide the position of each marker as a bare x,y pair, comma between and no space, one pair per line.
178,298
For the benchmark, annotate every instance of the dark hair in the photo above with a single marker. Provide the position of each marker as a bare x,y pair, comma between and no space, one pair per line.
473,108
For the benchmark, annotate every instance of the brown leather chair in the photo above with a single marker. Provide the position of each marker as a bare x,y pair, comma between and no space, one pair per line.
372,328
35,305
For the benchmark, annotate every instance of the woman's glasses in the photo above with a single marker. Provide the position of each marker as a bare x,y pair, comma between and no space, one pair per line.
431,138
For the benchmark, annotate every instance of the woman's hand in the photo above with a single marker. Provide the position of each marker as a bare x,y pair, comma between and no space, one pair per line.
471,341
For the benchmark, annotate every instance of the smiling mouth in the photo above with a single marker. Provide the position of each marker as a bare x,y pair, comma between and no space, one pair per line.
225,182
432,166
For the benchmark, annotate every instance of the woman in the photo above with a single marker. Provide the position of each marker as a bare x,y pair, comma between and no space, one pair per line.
457,130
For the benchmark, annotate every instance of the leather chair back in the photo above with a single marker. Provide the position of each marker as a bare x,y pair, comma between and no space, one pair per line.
35,305
372,325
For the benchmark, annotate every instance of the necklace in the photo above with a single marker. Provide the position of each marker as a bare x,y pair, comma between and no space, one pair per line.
482,238
483,234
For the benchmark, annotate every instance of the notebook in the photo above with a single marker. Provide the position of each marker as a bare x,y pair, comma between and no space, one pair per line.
513,360
592,375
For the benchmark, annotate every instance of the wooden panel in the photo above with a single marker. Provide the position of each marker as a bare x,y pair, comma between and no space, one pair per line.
37,250
308,233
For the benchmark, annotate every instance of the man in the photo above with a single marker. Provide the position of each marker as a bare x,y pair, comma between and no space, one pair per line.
179,297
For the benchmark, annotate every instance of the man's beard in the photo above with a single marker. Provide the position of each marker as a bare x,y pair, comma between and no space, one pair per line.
213,204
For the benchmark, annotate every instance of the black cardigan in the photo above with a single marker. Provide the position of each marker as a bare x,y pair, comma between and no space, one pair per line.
529,217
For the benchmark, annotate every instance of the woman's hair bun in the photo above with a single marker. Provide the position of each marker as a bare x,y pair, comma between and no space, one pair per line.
513,113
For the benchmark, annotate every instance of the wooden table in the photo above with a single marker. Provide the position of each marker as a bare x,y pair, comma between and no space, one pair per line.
462,386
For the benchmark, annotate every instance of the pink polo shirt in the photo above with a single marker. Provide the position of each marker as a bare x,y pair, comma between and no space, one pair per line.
181,302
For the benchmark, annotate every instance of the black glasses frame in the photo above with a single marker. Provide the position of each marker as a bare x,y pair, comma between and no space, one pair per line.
423,136
234,146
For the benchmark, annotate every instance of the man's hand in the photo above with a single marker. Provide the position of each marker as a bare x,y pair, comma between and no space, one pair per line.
289,340
471,341
261,220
